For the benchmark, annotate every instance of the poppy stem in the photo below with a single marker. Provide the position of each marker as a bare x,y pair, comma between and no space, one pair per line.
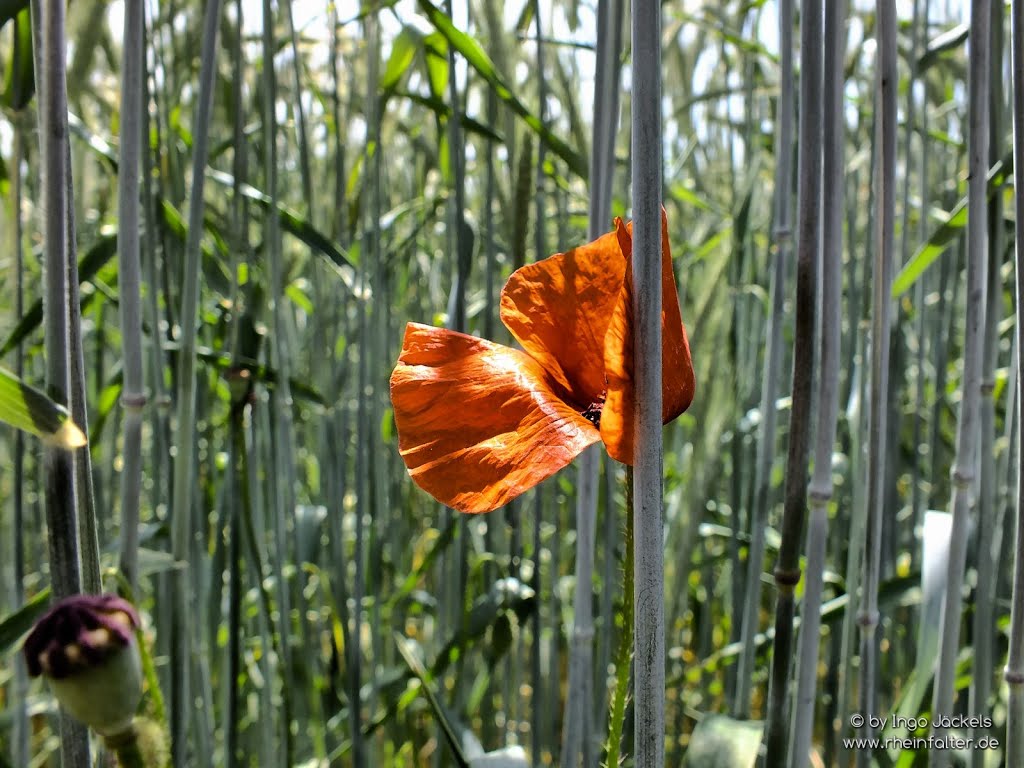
625,650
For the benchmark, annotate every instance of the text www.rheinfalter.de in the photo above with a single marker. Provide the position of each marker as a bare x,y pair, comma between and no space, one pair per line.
921,742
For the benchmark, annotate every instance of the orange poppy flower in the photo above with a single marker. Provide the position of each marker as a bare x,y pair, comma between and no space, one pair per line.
480,423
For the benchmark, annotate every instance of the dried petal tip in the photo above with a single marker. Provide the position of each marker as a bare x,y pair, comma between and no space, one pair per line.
85,647
78,632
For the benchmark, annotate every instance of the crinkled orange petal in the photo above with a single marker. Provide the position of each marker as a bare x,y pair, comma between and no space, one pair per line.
677,380
479,423
559,309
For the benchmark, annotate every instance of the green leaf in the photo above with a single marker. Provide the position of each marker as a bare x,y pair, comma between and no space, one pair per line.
435,49
295,292
153,561
478,59
948,40
102,251
301,228
216,274
100,146
403,51
443,111
17,624
948,230
29,410
407,650
19,83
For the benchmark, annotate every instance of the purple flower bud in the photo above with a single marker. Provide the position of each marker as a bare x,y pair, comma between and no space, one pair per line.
78,632
85,647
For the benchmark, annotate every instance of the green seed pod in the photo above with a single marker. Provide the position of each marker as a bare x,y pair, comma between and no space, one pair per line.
85,647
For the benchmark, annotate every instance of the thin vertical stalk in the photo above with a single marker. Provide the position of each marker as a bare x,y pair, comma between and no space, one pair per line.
490,523
300,114
184,465
987,559
88,529
820,490
787,569
61,506
885,212
617,714
919,33
283,482
238,500
337,220
602,171
133,396
20,738
578,718
648,565
573,725
612,537
1014,672
60,497
964,467
773,360
149,254
538,702
460,242
371,26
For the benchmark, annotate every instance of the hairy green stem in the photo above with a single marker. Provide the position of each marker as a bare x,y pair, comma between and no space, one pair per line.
625,649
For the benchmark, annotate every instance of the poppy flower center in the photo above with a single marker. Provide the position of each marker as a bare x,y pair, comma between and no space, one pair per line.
592,412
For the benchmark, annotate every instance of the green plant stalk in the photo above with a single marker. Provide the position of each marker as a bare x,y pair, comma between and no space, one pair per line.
773,360
159,427
300,114
60,499
20,737
133,396
787,569
312,698
575,723
917,35
623,654
237,468
611,536
377,340
539,709
1014,672
364,430
885,211
987,555
577,720
459,243
963,475
648,501
821,490
184,465
283,480
88,527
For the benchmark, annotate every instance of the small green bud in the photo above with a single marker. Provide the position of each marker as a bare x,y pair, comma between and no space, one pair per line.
85,647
